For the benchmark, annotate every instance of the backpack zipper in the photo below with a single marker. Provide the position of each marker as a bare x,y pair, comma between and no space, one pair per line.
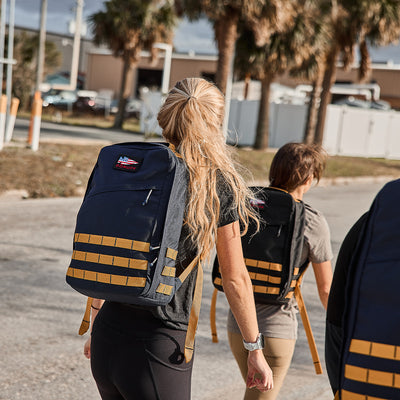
147,198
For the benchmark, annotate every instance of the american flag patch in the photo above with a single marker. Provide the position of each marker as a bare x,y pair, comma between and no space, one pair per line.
124,160
126,163
257,203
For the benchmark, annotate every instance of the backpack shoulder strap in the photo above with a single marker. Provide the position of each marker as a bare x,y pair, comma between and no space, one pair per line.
85,324
307,327
194,311
336,396
213,311
188,269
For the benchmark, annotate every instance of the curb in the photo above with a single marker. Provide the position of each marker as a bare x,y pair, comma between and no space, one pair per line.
345,180
22,194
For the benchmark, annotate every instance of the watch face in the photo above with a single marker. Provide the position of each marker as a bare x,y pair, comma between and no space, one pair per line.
259,344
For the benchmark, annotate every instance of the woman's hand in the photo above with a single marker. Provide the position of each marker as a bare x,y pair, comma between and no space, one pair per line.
86,348
96,306
257,364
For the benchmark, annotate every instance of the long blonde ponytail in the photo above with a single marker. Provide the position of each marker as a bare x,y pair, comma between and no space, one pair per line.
191,119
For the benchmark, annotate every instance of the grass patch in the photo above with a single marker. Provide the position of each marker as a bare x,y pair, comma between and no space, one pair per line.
62,170
92,120
358,166
258,162
55,170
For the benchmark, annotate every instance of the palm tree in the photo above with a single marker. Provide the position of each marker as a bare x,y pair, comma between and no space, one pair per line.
356,22
24,71
128,27
311,69
342,39
283,51
225,16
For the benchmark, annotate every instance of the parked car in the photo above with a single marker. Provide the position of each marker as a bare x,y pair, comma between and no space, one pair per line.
354,102
381,105
60,99
132,109
85,102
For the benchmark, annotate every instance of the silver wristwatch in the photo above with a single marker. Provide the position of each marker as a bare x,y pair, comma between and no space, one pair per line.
258,344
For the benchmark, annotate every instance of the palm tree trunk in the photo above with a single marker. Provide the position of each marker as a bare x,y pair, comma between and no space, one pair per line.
226,35
313,108
247,81
326,96
123,96
364,71
261,142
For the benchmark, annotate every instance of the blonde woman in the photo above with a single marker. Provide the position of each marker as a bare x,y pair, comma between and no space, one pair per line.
137,352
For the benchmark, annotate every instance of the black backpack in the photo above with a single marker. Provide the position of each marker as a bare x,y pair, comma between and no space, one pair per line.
128,227
272,256
370,354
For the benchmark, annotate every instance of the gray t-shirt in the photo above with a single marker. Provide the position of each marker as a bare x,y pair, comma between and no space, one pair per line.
280,321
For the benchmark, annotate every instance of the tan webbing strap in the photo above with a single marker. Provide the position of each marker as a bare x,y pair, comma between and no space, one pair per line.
194,314
307,328
86,317
213,311
346,395
173,148
374,349
188,269
276,188
336,396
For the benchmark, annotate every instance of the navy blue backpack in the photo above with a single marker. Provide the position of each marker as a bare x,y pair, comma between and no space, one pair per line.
128,227
370,356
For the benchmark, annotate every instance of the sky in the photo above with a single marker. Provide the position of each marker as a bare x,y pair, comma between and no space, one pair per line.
197,36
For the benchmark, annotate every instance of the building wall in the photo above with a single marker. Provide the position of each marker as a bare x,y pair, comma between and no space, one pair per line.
182,66
104,70
191,67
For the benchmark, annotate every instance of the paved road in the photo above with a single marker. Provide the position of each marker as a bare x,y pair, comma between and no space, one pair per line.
52,131
41,353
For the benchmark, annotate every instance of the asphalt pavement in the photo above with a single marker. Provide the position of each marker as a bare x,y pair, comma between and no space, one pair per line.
50,131
41,354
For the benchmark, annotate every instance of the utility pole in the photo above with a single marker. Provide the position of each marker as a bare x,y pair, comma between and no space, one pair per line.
42,44
228,95
167,65
75,50
36,113
76,45
10,53
2,38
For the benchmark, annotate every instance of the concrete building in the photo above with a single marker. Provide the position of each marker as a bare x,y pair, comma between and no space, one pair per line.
104,70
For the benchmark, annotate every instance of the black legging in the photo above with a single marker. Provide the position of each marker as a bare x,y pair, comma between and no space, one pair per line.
135,357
